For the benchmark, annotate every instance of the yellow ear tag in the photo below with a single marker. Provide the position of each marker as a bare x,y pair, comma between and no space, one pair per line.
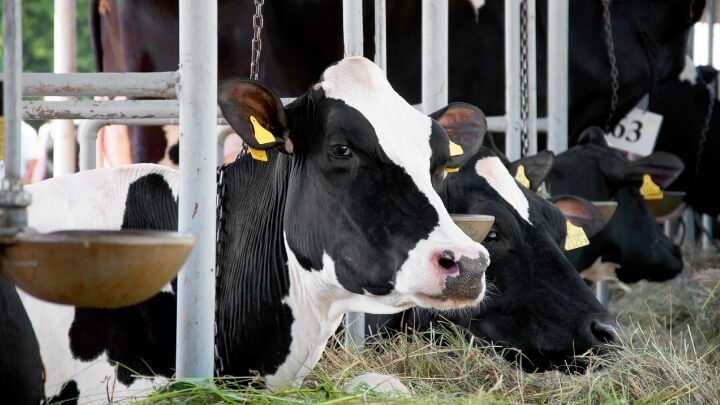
452,169
455,149
2,139
576,237
649,189
521,177
262,136
258,154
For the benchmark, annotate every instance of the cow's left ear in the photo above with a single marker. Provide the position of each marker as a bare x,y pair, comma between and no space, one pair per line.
466,127
663,168
580,212
532,170
256,114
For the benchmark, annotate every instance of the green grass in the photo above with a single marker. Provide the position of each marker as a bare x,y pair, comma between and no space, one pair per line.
668,355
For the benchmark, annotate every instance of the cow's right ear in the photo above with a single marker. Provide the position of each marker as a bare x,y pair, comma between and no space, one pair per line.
466,127
580,212
256,114
531,171
663,168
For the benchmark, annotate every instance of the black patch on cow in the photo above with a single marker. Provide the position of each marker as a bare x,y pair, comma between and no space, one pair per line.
335,200
68,395
140,338
21,370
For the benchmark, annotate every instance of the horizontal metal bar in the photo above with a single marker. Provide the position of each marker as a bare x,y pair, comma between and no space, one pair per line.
97,109
152,84
498,123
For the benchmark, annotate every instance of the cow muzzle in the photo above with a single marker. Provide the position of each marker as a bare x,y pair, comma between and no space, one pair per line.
464,280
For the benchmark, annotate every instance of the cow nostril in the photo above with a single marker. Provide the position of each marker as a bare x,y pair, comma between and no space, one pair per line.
446,264
604,332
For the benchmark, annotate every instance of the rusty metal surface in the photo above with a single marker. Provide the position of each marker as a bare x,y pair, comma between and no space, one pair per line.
475,226
98,269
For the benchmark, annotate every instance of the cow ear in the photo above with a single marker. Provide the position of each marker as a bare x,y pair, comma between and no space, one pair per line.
663,168
592,136
531,171
256,114
466,127
580,212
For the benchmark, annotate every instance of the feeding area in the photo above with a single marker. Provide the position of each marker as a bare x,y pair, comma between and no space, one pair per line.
280,201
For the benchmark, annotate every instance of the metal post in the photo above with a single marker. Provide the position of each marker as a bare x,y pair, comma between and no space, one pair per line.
512,82
381,34
63,131
353,27
707,235
532,78
434,63
601,292
557,71
711,31
198,112
689,217
353,37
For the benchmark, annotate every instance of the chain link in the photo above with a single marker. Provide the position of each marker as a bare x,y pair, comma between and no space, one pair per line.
711,87
524,80
219,196
610,44
257,40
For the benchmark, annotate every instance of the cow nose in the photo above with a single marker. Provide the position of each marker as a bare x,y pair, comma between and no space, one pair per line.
446,263
464,277
604,331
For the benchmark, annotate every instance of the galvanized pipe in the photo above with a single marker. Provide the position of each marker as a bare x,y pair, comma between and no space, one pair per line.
101,109
153,84
498,123
198,115
63,131
557,71
711,31
532,78
707,236
12,65
381,34
353,27
512,82
689,218
434,61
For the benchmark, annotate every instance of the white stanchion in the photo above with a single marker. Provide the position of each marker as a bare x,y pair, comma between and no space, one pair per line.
63,131
557,72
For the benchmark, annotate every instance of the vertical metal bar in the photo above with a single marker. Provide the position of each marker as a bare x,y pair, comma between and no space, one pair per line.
198,112
12,93
353,37
601,292
711,30
689,218
63,131
512,79
381,34
434,59
707,235
532,77
87,138
557,71
353,27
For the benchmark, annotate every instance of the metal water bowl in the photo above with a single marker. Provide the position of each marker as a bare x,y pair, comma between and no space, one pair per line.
606,208
94,268
671,200
474,225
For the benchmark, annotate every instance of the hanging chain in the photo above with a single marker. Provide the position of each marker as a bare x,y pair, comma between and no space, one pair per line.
711,87
615,84
524,80
257,40
219,196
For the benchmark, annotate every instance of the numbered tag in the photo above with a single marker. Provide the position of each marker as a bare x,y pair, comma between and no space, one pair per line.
576,237
455,149
521,177
636,132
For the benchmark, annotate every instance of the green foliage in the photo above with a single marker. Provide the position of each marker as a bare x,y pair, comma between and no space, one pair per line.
38,36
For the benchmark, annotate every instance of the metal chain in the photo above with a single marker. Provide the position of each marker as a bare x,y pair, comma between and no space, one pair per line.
524,80
219,196
711,87
615,84
257,40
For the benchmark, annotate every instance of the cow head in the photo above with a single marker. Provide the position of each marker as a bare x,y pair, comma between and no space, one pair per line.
632,237
360,211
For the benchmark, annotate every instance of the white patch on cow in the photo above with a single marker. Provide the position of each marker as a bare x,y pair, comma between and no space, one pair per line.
404,135
689,72
477,5
492,170
93,199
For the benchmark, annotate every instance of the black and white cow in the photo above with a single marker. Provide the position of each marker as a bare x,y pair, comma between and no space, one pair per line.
341,216
537,303
632,238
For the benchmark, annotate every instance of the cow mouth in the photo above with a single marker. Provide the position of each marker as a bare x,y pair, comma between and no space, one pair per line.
444,302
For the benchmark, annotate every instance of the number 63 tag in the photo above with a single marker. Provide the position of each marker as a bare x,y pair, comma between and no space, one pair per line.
636,132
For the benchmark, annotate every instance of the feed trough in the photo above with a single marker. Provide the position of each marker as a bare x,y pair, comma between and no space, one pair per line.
95,268
671,200
606,208
474,225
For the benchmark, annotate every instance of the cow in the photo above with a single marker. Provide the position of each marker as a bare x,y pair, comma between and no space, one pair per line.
332,210
632,238
540,313
650,44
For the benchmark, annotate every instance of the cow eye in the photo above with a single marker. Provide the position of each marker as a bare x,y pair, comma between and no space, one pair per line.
341,151
492,236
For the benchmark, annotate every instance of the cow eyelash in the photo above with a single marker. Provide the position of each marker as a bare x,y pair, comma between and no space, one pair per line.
341,151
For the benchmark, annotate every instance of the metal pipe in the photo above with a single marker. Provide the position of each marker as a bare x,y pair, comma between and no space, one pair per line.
498,123
601,292
434,61
63,131
707,235
689,218
711,31
152,84
532,78
512,75
557,71
353,27
198,113
12,64
101,109
381,34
